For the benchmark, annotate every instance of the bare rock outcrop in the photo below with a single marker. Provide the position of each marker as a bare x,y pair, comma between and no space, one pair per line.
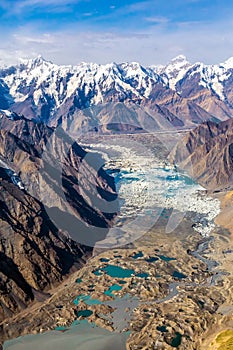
207,154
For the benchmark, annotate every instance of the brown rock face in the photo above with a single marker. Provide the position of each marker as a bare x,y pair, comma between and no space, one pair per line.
33,254
207,154
36,252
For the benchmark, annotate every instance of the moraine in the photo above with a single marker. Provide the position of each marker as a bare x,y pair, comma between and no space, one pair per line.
149,188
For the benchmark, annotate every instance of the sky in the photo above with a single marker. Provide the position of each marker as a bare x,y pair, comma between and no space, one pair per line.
151,32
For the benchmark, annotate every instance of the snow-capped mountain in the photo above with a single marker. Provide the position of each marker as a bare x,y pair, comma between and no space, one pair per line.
179,93
39,78
174,70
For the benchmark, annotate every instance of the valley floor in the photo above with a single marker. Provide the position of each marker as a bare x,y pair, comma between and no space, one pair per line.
166,289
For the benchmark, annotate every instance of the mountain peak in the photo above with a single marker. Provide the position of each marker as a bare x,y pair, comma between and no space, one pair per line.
135,66
33,62
179,58
39,59
177,63
228,63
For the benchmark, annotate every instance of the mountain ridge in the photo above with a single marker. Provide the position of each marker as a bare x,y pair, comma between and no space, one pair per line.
206,152
192,93
36,251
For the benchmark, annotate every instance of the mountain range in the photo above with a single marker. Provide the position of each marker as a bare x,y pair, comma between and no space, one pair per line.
52,192
120,97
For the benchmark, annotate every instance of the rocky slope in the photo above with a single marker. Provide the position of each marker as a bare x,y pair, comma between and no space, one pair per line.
36,252
113,95
34,255
206,152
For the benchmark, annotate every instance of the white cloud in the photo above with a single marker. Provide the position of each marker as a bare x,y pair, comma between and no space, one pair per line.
210,43
17,7
42,39
157,20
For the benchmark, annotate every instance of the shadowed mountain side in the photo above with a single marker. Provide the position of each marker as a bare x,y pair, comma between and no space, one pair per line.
77,229
39,167
55,169
33,253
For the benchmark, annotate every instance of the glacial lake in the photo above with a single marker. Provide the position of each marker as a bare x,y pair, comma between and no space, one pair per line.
82,336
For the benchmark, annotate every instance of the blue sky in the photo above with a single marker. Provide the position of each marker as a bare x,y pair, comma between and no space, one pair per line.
150,31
